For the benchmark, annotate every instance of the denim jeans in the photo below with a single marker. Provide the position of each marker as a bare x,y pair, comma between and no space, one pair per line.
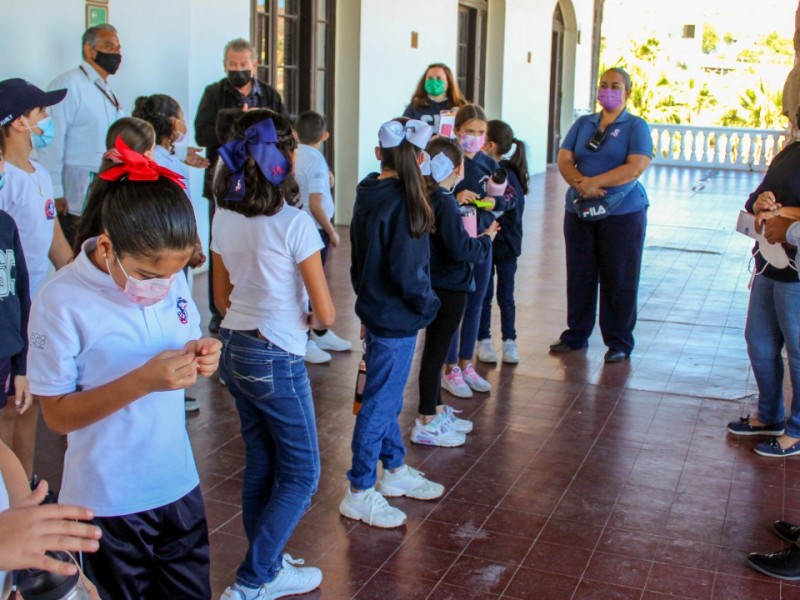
273,397
377,432
506,270
773,321
463,344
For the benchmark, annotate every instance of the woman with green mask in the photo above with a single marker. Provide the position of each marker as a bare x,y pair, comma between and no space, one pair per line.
436,91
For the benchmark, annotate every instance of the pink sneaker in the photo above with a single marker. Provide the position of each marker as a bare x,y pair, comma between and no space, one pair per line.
453,382
475,381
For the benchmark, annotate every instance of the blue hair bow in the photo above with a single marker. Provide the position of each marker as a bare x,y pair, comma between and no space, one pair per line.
261,142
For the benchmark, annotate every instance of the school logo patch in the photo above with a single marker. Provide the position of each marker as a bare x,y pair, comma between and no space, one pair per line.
183,314
37,340
50,209
615,133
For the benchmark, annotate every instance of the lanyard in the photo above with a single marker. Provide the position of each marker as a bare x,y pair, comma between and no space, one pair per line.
111,97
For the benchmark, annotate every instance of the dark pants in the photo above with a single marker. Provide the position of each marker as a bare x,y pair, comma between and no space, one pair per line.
211,306
438,336
463,345
506,271
608,254
155,554
326,239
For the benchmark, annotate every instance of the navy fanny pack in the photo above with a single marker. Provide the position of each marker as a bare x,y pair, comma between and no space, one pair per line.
595,209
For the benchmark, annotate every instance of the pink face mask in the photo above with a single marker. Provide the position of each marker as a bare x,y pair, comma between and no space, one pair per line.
472,143
610,98
145,292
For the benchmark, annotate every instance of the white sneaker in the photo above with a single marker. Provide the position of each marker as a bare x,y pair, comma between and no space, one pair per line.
409,482
485,351
510,352
438,432
453,382
460,425
331,341
289,581
314,354
475,381
191,404
372,508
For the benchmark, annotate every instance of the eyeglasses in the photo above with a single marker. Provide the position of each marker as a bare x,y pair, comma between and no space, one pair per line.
596,140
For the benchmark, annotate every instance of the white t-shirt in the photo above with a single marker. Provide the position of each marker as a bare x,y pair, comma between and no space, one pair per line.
5,576
313,177
138,458
28,198
173,162
261,255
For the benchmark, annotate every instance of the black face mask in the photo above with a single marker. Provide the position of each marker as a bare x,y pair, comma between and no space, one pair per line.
239,79
108,62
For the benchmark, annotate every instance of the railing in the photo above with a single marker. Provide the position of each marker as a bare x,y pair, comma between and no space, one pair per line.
716,147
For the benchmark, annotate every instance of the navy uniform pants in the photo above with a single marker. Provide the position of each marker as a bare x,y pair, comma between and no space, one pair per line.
604,256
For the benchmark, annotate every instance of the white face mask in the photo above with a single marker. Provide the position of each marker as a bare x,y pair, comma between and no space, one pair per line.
774,254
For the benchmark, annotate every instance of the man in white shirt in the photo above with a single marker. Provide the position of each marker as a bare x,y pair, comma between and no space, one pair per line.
82,122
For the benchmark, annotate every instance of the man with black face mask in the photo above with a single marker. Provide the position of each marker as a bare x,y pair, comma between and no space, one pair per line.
81,123
238,89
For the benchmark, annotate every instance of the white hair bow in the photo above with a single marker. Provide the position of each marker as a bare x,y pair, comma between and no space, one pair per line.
392,133
441,167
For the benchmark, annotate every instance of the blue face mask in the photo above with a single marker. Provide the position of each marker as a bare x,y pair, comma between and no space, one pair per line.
48,127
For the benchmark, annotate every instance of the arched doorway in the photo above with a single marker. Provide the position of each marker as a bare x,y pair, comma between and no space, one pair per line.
556,85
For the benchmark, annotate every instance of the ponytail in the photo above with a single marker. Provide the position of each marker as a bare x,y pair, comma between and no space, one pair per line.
501,134
403,160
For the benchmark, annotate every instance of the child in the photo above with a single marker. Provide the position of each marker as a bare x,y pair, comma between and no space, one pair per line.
452,253
507,246
266,255
28,198
313,178
110,367
390,273
460,378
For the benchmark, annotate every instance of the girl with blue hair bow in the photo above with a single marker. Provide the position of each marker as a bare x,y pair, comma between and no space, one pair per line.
267,255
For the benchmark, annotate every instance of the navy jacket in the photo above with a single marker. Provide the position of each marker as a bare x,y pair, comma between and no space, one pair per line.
508,242
389,269
15,298
452,250
477,171
426,114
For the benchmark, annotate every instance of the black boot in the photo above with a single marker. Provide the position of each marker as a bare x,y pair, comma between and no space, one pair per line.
782,565
787,531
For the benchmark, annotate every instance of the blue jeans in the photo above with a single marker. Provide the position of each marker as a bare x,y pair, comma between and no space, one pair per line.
377,432
773,321
506,270
273,397
463,344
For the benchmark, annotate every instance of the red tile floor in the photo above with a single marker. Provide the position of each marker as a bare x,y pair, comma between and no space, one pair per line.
581,480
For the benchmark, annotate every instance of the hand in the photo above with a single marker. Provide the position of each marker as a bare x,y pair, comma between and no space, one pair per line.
198,258
193,159
28,530
775,229
335,239
331,178
62,207
587,188
245,107
170,370
362,335
765,202
492,230
467,196
22,397
206,351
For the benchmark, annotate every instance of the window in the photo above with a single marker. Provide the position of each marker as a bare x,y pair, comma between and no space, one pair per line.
471,53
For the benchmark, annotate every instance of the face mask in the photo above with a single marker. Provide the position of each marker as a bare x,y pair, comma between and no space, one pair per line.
108,62
180,138
2,180
425,165
145,292
609,98
48,127
472,143
239,79
435,87
774,254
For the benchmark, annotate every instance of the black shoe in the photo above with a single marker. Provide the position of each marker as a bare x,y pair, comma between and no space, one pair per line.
787,531
214,323
781,565
560,346
616,356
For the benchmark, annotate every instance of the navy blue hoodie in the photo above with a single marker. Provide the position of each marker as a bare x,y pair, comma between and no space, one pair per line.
477,171
15,298
508,242
389,269
453,252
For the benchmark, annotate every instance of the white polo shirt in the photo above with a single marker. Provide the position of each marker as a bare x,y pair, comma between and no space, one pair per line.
28,198
139,458
261,255
174,162
313,177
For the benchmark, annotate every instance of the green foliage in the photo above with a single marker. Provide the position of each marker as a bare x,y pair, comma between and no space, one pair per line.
728,39
710,38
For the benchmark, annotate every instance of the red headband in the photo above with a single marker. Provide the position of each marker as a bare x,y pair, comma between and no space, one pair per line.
137,167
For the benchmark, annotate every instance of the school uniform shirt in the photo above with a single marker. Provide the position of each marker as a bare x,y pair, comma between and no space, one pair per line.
625,136
261,255
389,269
28,198
82,120
15,299
5,576
453,251
508,241
138,458
313,177
477,171
427,114
173,162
